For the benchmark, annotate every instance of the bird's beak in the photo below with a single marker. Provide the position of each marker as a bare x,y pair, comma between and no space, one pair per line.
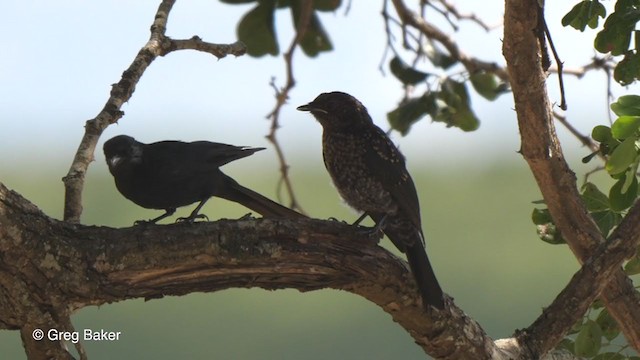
113,161
311,108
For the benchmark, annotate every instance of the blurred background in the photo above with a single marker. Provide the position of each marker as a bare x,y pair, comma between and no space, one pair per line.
59,61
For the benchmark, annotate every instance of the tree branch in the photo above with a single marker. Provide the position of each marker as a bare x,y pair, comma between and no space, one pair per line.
72,266
542,151
431,31
282,95
158,45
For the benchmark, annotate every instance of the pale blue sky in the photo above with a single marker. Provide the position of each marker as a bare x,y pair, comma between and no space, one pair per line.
60,58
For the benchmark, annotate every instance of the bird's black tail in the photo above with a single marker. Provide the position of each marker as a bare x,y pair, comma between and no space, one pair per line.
256,202
406,237
423,273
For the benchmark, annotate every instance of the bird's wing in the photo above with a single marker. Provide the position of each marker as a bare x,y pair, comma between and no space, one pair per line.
177,159
388,165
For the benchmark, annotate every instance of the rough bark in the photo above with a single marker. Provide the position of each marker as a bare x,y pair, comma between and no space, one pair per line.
541,149
50,268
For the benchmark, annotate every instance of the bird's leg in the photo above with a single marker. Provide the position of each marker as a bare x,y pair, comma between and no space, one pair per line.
168,212
247,216
194,214
359,220
378,228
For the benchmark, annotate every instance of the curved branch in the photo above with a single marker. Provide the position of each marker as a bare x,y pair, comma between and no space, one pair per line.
541,149
50,268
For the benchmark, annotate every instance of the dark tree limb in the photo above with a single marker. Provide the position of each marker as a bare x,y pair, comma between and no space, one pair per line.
158,45
71,266
541,149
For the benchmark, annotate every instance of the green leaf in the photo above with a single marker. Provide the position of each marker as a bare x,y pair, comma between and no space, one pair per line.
608,325
566,344
616,35
594,199
256,30
550,234
627,70
622,156
405,73
541,217
606,220
458,112
487,85
625,126
632,267
410,111
627,105
589,340
622,196
601,133
315,39
437,57
545,228
610,356
583,14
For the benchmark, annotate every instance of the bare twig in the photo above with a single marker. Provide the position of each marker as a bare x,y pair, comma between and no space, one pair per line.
586,176
450,9
584,139
158,45
218,50
606,63
472,64
563,99
282,95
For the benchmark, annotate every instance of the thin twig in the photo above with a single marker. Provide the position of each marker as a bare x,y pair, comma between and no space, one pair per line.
584,139
218,50
282,95
472,64
451,9
563,99
591,172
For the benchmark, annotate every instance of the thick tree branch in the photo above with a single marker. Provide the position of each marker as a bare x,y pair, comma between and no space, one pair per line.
542,151
158,45
73,266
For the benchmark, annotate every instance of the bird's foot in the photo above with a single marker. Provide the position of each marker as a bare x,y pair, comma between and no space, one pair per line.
247,216
143,222
372,232
337,220
192,218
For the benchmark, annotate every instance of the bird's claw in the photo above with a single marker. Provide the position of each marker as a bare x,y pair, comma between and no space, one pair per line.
337,220
247,216
192,218
143,222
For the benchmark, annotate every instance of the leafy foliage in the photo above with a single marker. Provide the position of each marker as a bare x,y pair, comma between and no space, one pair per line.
449,104
257,28
615,37
619,146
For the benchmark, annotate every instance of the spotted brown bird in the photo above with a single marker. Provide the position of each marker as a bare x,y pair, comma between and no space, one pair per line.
370,174
166,175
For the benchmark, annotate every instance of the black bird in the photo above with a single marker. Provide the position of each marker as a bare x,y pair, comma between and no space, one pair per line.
169,174
370,174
